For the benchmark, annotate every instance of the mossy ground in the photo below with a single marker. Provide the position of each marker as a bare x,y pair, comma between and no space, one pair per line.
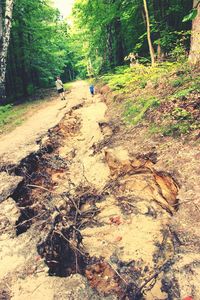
166,98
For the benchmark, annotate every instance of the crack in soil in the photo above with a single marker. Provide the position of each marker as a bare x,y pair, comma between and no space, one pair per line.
108,219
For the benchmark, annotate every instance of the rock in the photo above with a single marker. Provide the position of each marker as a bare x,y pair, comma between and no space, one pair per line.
9,214
118,239
169,188
8,184
118,160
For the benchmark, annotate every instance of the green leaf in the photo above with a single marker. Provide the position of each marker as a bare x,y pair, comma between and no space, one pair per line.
191,16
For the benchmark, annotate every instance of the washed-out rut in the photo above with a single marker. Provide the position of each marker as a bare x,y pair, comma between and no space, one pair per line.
102,214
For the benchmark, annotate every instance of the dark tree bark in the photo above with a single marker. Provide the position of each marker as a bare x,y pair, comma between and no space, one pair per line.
119,42
110,45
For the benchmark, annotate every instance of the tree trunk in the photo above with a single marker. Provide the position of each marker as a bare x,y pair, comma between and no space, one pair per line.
151,50
194,57
110,46
4,38
119,43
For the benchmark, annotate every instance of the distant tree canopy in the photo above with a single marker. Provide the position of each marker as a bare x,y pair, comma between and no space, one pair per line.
102,34
38,48
111,29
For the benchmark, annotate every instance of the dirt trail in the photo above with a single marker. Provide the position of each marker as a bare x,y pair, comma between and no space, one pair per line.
85,220
17,144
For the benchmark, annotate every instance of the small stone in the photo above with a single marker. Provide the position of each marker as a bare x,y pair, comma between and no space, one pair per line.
118,239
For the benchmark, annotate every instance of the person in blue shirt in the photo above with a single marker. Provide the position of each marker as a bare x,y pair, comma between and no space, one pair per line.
92,89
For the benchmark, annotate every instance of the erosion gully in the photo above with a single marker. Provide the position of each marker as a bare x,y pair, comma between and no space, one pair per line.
95,210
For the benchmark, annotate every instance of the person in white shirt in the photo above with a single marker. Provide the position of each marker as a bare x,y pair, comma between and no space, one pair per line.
60,88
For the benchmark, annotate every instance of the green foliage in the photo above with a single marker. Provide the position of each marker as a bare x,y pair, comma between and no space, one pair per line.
143,84
183,93
39,48
107,38
177,82
5,112
5,108
30,89
179,53
67,86
8,114
177,129
135,111
13,115
102,34
191,16
154,128
126,79
181,114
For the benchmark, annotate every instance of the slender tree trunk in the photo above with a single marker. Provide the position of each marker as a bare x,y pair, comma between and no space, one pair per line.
194,56
151,50
4,38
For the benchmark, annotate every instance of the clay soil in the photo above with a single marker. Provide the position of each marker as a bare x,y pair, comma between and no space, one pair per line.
91,209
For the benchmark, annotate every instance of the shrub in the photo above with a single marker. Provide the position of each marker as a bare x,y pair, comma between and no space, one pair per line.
5,111
181,114
177,129
177,82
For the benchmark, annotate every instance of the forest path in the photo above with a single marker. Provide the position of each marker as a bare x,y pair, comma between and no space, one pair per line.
87,210
18,143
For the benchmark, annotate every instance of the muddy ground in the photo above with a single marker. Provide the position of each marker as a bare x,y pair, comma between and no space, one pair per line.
99,211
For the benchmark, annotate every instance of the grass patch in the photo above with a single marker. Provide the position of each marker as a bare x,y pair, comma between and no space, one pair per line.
12,116
177,129
152,86
67,86
177,82
154,128
134,112
183,93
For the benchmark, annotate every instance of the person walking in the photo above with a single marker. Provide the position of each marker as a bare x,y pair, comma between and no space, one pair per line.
60,88
91,89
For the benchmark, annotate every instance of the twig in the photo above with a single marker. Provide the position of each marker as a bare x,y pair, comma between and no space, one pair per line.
75,205
40,187
117,273
60,233
24,222
151,278
83,167
77,209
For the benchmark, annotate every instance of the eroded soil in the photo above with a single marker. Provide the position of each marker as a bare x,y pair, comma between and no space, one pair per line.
86,218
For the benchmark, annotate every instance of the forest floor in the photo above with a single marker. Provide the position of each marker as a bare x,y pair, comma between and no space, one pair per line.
93,209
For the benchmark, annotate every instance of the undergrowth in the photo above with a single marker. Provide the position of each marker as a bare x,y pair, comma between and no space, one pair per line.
165,96
135,111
